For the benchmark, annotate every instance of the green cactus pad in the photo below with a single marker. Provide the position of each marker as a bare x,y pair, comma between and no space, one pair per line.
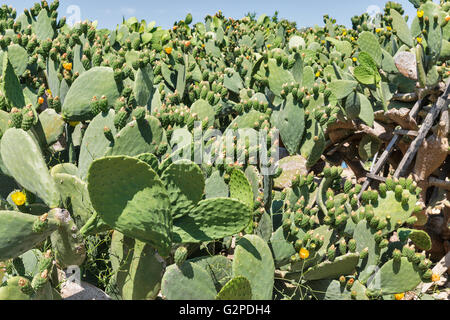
184,183
197,284
364,237
143,280
314,143
138,137
368,42
150,159
74,192
27,264
98,81
394,277
342,88
17,235
11,85
281,248
30,171
13,291
143,86
219,268
212,219
18,57
253,260
215,186
67,243
120,253
342,265
277,77
43,26
390,206
129,197
238,288
204,111
399,24
291,123
240,188
420,238
94,144
334,290
52,124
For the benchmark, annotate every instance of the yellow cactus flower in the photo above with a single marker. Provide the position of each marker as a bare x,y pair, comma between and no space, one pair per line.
354,59
49,92
268,46
304,253
67,66
419,39
378,30
352,38
19,198
317,74
168,50
399,296
74,123
420,13
435,277
388,28
344,33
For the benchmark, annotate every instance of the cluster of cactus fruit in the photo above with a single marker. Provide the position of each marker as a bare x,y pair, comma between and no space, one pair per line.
90,128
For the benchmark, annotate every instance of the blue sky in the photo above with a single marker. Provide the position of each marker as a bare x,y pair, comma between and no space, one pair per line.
165,13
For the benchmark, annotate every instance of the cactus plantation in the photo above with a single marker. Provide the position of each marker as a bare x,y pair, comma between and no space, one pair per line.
228,159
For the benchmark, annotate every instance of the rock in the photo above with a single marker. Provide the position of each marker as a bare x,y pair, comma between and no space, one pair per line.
75,289
291,166
405,62
83,291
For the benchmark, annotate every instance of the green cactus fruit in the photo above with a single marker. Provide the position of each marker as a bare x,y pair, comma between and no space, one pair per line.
139,114
28,120
108,134
348,185
16,118
95,106
103,104
352,245
120,119
180,256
